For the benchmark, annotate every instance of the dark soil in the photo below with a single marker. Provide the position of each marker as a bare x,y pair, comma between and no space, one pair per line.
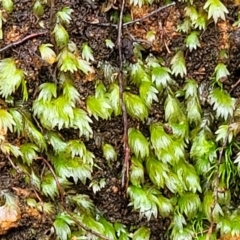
111,201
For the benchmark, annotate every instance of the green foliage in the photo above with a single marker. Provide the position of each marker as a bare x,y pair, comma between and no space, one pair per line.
99,107
8,5
60,111
161,76
177,157
138,143
29,152
173,111
136,108
221,72
77,168
208,202
142,233
38,8
192,102
6,121
192,41
216,10
47,53
189,204
62,225
61,35
139,73
109,43
178,64
148,201
64,16
137,172
109,153
148,93
222,103
114,98
67,61
11,78
166,148
87,53
157,171
151,35
97,186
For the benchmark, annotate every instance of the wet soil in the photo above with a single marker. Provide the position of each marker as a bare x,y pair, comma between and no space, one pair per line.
200,64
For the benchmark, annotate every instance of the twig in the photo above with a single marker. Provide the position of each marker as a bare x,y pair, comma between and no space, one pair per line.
216,185
136,20
126,149
85,227
22,40
13,165
149,15
234,85
56,179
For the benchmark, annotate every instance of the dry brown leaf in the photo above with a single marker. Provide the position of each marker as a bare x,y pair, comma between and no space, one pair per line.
9,217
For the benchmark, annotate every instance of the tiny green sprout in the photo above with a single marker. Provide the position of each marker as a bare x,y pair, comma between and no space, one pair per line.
6,121
121,231
136,172
192,41
31,202
183,234
208,202
64,16
67,61
139,73
216,10
201,21
85,66
157,171
221,72
61,36
109,153
161,76
62,225
87,52
164,206
38,9
97,185
151,35
109,43
135,106
99,107
114,98
222,103
7,149
173,110
138,143
11,78
47,53
191,12
185,26
172,183
8,5
178,64
189,204
223,132
143,233
145,200
29,152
